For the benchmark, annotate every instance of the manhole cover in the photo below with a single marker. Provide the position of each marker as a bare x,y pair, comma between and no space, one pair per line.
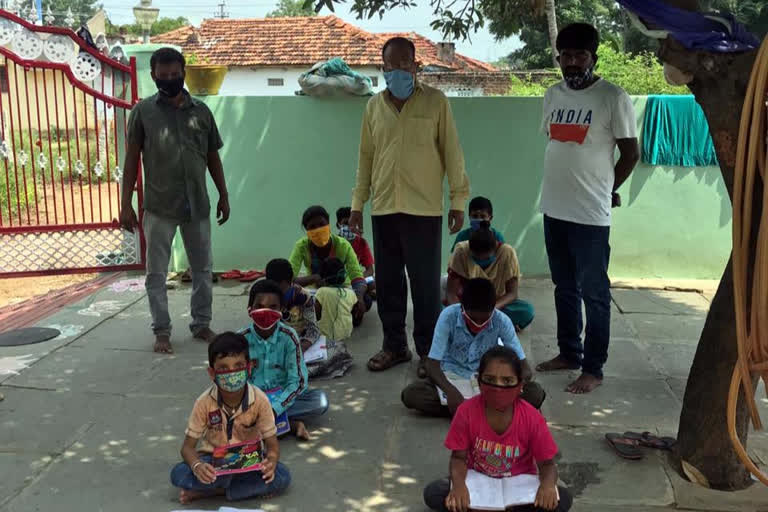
27,336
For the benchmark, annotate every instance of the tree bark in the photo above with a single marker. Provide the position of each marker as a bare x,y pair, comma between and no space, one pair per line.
720,84
551,13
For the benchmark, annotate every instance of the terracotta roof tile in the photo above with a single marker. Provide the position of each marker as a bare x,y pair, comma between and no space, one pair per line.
299,41
426,54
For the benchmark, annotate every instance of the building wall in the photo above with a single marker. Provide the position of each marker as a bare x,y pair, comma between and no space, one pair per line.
255,81
284,154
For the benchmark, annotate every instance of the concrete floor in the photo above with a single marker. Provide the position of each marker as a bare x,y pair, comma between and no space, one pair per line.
93,420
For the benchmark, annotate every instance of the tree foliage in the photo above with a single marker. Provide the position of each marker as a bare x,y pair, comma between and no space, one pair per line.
639,74
292,9
161,26
524,18
82,10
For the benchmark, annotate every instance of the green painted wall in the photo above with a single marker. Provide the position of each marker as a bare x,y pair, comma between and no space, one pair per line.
283,154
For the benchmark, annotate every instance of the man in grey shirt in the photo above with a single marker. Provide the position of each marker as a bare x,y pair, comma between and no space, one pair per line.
178,139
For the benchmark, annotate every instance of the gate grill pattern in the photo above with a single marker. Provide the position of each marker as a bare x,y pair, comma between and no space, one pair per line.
63,119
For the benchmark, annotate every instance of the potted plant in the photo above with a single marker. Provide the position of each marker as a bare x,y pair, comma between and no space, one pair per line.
203,79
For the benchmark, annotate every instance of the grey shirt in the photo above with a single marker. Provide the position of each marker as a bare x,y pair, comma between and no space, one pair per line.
175,143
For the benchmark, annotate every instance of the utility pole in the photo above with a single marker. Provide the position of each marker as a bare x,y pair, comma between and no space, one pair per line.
221,13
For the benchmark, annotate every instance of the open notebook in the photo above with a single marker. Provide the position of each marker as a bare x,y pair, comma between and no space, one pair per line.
486,493
467,387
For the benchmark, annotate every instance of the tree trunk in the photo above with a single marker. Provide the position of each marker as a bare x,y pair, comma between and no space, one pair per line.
720,84
549,6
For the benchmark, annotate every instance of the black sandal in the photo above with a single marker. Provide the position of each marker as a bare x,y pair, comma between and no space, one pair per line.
385,360
625,447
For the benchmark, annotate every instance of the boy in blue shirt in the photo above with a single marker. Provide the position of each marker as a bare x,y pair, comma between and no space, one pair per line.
465,332
279,369
480,209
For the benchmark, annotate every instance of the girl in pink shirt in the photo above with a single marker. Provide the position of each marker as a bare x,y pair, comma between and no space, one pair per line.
500,436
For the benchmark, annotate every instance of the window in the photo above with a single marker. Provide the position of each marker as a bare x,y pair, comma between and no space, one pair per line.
275,82
374,81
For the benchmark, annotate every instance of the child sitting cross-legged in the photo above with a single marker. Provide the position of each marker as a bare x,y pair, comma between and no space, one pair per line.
280,371
463,334
229,412
484,256
359,244
334,302
501,448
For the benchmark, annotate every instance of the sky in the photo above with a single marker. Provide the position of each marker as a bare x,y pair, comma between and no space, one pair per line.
482,46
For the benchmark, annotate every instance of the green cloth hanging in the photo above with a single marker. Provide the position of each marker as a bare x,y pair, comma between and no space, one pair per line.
676,132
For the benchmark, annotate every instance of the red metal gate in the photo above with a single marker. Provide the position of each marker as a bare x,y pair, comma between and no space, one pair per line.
63,119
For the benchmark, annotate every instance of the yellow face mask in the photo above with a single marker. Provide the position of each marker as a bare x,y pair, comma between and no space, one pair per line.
320,236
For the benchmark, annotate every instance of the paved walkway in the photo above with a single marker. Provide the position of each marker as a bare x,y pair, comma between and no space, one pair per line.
94,420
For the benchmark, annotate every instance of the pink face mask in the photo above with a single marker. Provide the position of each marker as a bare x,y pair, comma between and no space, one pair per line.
500,398
265,318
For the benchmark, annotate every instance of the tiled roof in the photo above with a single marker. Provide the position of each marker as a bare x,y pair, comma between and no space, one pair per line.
299,41
426,54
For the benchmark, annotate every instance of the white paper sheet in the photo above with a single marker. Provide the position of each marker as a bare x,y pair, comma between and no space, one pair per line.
317,352
467,387
222,509
486,493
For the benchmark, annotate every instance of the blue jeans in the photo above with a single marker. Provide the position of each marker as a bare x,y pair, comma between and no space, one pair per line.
310,404
578,261
239,487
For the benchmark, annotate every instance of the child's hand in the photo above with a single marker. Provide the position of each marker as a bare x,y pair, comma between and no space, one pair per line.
268,470
458,499
205,473
546,497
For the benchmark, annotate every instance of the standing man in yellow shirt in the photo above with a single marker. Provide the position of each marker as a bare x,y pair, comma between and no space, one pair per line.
408,145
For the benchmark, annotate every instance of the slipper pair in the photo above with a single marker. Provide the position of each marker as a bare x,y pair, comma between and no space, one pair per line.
627,445
244,277
186,277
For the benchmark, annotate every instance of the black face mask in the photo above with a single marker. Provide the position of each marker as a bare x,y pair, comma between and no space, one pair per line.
170,88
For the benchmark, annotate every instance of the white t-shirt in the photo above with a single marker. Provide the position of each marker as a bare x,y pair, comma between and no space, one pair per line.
583,127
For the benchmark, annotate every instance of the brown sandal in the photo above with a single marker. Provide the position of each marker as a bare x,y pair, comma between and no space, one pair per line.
385,360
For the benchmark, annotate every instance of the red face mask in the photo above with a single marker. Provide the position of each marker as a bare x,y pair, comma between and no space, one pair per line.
265,318
500,398
474,327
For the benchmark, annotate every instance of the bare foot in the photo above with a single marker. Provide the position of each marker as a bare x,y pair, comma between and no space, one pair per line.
558,363
186,496
163,344
300,430
584,384
205,334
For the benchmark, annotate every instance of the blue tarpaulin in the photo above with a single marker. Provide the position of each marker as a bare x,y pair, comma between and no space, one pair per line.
712,32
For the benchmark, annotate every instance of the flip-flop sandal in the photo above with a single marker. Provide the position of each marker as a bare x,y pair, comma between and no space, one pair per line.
625,447
651,441
386,360
251,276
232,274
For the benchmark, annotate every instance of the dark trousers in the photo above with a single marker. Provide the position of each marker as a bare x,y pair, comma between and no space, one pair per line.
409,242
578,261
423,396
436,492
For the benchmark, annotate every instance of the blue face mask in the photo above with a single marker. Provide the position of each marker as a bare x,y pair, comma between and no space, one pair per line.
475,223
400,83
486,262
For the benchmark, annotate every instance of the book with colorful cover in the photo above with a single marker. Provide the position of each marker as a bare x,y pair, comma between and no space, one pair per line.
238,458
281,421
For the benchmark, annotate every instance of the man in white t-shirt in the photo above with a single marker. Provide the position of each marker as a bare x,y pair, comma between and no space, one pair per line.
585,118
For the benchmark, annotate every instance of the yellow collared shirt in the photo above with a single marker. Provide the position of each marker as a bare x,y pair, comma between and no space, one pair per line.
405,156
